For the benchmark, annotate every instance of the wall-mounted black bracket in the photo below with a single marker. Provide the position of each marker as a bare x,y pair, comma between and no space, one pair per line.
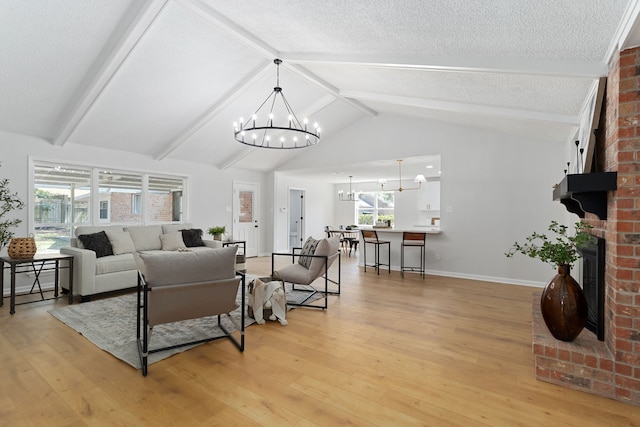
586,192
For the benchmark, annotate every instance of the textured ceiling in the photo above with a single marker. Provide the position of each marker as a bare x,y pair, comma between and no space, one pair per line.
167,78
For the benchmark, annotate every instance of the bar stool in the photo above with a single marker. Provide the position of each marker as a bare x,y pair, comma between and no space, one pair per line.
413,240
370,237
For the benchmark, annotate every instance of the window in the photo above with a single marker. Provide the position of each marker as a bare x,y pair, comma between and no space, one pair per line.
165,198
122,189
246,206
66,196
104,210
61,199
374,206
136,204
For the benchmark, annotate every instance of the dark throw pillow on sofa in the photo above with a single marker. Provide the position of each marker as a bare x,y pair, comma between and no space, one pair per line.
192,237
97,242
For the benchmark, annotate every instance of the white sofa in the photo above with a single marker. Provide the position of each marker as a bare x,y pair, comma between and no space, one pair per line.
93,275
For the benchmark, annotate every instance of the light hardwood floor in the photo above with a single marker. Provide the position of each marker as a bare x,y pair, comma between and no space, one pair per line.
387,352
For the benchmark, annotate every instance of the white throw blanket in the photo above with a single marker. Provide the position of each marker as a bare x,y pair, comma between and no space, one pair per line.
269,295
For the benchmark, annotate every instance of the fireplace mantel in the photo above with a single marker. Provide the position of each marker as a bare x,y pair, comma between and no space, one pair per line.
586,192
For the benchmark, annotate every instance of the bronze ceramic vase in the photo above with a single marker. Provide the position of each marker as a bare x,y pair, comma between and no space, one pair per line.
564,306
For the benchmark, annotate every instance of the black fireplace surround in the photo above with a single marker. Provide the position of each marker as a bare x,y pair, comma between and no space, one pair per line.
593,262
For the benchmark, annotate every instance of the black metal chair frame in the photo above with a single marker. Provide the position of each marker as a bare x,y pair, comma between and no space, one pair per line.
313,291
422,246
377,243
143,331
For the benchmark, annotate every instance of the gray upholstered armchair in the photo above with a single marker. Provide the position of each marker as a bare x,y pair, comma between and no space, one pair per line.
174,286
309,263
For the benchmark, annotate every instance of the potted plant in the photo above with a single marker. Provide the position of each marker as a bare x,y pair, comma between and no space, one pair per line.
217,232
8,202
559,251
563,304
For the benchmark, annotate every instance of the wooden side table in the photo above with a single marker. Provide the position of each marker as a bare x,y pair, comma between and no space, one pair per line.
35,265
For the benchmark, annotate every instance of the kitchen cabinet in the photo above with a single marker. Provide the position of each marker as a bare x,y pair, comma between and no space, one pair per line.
430,196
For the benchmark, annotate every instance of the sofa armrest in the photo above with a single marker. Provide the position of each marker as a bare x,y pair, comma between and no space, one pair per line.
212,243
84,271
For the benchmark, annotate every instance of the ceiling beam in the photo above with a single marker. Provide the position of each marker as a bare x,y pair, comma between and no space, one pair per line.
568,68
264,49
143,18
240,154
626,28
230,27
218,107
306,74
459,107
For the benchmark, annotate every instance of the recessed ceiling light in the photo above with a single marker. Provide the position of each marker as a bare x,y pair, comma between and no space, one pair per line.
429,166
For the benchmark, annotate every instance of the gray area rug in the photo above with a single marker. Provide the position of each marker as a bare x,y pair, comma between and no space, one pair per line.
110,324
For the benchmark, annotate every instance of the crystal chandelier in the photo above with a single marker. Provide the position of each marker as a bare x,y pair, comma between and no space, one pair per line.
419,179
350,196
265,130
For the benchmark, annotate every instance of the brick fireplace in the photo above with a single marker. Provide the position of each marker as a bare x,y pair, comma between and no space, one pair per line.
609,368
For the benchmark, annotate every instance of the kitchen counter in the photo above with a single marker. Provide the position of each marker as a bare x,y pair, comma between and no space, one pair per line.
429,229
394,235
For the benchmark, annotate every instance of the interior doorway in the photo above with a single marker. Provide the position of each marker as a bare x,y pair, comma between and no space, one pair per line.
296,218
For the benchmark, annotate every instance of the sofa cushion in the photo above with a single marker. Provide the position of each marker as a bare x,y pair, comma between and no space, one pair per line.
192,237
116,263
98,243
172,241
146,237
90,229
121,242
170,228
167,268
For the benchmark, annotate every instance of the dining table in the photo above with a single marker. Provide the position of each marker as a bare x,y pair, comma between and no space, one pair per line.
349,239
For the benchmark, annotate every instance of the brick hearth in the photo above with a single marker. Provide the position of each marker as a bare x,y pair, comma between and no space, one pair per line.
610,368
584,364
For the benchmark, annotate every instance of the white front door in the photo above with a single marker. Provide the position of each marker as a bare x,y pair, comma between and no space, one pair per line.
245,215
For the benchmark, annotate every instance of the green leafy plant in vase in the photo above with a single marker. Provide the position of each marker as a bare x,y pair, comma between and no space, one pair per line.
217,232
562,304
558,251
9,202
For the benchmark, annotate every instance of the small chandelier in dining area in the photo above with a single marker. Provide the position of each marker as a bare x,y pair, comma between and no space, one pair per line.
264,129
351,196
419,179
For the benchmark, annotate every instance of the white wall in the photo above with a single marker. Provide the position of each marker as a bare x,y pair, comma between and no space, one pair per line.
210,189
499,188
319,207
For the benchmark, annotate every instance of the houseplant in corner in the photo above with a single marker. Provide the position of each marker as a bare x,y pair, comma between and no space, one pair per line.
563,304
8,202
217,231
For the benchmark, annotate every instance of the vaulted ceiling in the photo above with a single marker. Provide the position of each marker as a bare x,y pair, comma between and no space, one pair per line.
167,78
